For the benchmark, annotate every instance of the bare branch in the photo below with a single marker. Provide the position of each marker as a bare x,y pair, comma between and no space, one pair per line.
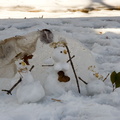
73,68
71,58
31,68
106,77
83,80
9,91
47,65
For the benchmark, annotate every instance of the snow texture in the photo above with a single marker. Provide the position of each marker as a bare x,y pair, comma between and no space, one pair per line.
99,35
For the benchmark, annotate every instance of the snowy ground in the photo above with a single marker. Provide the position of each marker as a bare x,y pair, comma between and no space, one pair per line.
100,35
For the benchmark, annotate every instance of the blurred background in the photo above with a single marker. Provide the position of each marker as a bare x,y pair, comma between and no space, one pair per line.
55,8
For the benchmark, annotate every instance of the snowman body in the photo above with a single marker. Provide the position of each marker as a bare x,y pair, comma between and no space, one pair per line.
60,58
28,90
96,87
53,85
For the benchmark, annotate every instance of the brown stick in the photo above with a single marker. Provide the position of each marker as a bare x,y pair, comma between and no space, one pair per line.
56,100
9,91
47,65
83,80
113,86
106,77
71,58
73,68
31,68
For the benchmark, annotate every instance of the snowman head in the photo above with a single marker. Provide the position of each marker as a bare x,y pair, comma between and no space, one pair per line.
60,54
21,65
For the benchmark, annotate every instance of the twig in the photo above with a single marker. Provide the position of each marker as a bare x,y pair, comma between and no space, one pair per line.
113,86
73,67
106,77
9,91
31,68
56,100
71,58
47,65
83,80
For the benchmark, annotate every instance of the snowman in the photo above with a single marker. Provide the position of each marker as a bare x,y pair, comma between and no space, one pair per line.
28,90
96,87
58,80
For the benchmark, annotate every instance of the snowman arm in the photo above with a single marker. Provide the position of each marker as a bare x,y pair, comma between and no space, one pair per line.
83,80
71,58
31,68
47,65
10,90
106,77
69,55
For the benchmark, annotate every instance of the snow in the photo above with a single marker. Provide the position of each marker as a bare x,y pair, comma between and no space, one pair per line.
100,35
60,57
29,90
95,87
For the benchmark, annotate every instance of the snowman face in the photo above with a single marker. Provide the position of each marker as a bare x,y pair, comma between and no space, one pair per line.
60,54
20,64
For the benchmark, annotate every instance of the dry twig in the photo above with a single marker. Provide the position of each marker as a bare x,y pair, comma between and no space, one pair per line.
56,100
106,77
9,91
83,80
70,58
47,65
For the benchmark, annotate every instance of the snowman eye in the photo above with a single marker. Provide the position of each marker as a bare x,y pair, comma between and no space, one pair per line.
60,51
20,63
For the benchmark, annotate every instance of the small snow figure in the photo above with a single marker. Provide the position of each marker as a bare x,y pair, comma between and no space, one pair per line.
28,90
57,78
60,58
96,87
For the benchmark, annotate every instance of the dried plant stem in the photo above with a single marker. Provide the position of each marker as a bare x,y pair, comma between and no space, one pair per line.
31,68
73,68
9,91
106,77
56,100
83,80
71,58
113,87
47,65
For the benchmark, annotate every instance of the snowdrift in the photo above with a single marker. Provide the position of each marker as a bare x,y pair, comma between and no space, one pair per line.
37,43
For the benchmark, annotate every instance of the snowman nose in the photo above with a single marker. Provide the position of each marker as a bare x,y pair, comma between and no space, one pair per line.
23,63
65,51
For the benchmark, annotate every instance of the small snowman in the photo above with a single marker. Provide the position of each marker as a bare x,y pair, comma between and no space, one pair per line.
28,90
96,87
57,78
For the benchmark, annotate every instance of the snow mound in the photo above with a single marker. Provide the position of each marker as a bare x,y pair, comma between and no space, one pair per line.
42,51
96,87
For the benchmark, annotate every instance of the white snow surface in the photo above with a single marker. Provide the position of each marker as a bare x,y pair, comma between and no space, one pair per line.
98,34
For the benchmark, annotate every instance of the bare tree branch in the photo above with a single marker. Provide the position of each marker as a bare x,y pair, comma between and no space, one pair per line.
70,58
